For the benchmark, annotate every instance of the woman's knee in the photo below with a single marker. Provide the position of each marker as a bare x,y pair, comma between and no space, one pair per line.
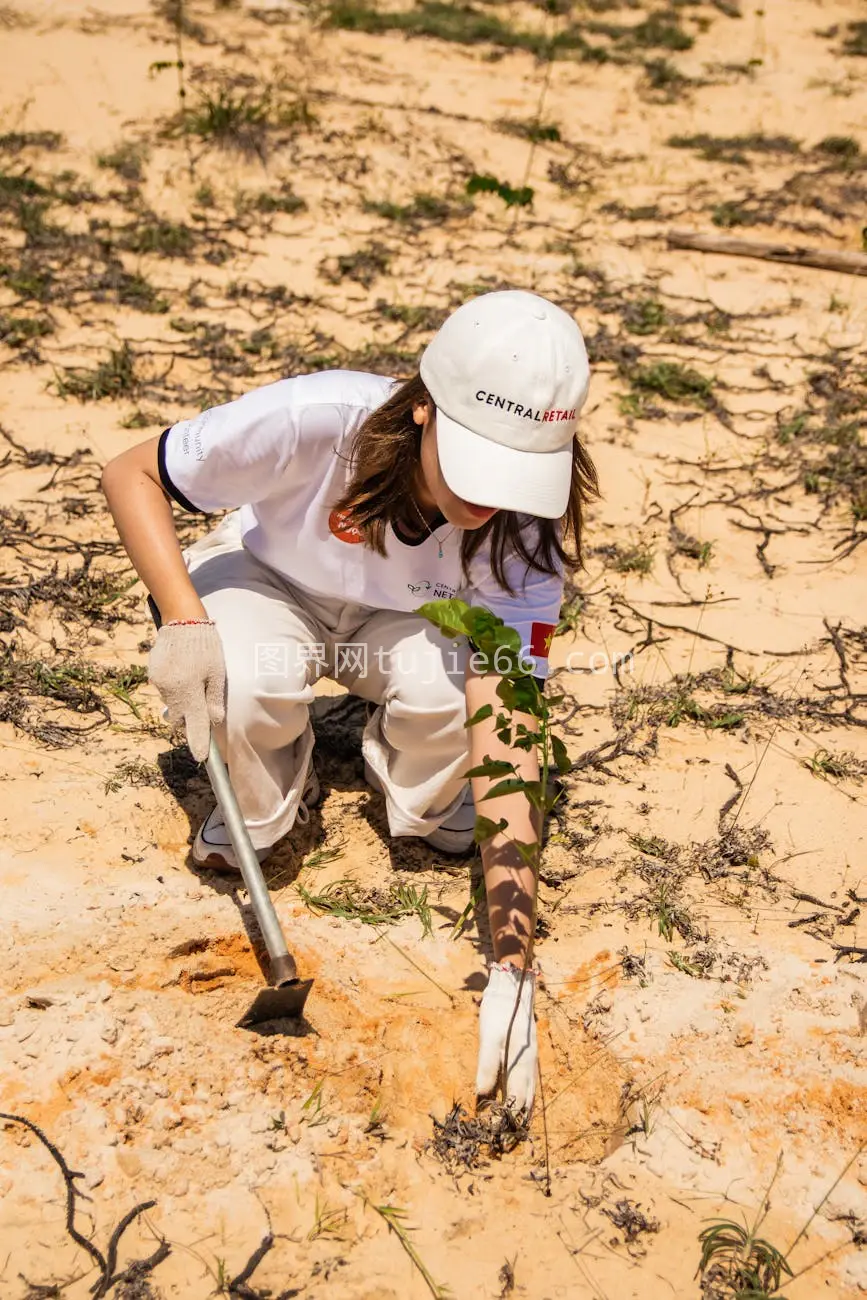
265,707
427,691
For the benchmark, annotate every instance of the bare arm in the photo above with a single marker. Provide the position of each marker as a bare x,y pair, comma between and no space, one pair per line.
509,882
143,517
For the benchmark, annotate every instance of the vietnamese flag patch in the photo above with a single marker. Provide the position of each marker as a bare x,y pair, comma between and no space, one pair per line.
541,636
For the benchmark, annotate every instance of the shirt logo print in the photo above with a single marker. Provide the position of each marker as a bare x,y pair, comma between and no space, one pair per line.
340,526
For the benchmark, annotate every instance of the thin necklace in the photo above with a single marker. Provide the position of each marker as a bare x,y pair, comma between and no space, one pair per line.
439,541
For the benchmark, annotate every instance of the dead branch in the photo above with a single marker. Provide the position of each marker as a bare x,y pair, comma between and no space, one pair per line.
703,636
826,259
730,802
817,902
106,1263
850,950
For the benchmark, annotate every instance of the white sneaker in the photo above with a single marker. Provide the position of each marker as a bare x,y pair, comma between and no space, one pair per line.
213,848
455,835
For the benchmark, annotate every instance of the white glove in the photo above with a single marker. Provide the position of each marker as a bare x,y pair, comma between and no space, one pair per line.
495,1013
187,667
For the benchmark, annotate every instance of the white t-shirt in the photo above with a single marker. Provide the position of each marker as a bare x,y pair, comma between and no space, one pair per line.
280,454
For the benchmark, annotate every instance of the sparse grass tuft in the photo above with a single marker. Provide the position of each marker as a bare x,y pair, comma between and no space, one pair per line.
734,148
327,1221
675,702
460,24
827,435
175,14
142,419
414,317
645,212
154,235
839,146
127,159
691,547
15,141
21,332
637,558
282,199
646,316
342,899
842,767
113,378
669,915
660,31
238,118
364,266
855,42
424,207
531,129
728,215
135,772
663,81
396,1221
32,691
736,1263
134,290
671,380
456,23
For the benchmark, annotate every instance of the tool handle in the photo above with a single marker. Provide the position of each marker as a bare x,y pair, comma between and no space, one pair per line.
251,869
283,969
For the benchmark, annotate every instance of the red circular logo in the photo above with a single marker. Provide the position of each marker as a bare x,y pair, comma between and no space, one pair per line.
340,525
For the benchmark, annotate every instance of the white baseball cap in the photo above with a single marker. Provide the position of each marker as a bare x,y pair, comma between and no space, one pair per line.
508,373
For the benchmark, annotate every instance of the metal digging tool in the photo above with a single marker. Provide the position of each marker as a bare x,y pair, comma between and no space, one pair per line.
287,994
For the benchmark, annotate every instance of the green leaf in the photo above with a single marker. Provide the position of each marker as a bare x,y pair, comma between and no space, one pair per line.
515,785
491,767
525,733
520,695
536,794
497,644
485,828
528,850
486,711
450,616
561,756
504,734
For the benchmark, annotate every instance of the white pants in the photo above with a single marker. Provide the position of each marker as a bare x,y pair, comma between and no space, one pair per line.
272,633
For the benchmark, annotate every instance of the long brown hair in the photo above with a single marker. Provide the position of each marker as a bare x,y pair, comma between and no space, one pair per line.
385,456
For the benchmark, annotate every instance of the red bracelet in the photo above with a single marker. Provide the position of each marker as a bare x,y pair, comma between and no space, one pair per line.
189,622
507,965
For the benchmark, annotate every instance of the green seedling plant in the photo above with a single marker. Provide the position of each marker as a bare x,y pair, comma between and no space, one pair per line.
328,1221
498,651
395,1219
740,1265
476,896
841,766
313,1108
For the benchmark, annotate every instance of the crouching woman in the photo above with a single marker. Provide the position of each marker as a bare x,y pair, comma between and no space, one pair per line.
354,500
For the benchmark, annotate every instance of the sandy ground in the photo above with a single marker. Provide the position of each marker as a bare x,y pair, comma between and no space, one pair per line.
704,1008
